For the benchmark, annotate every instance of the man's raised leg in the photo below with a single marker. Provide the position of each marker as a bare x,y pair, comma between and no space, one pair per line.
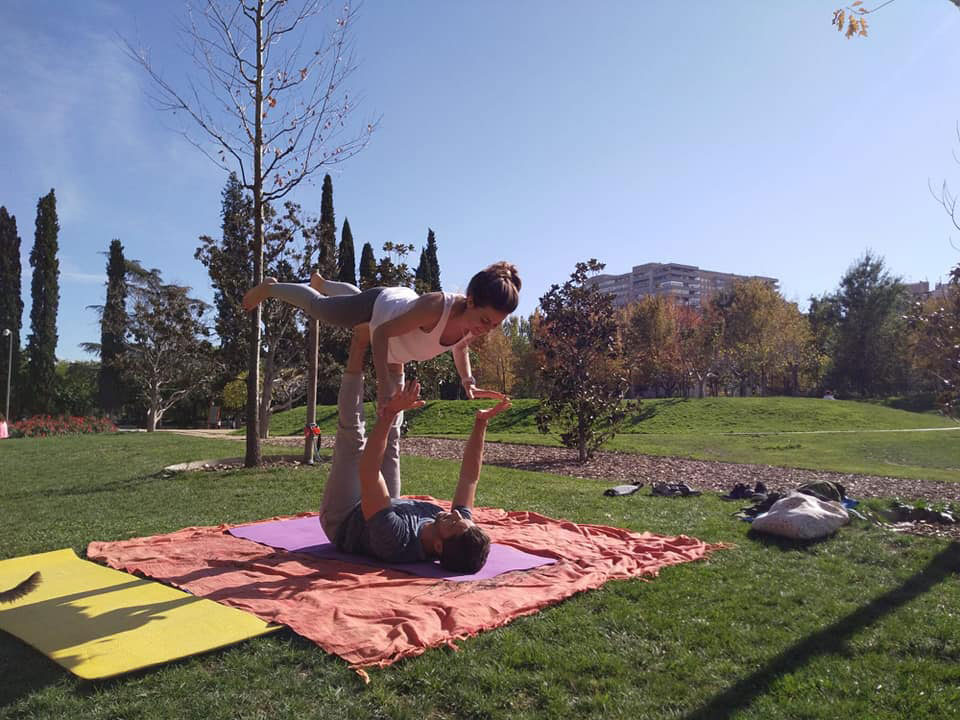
342,492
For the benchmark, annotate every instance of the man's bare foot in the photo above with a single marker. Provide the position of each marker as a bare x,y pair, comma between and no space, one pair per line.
256,295
318,283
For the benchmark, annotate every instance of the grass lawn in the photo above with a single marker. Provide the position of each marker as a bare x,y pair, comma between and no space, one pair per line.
725,429
862,625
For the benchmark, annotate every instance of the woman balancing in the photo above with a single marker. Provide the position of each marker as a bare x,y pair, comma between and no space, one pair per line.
405,327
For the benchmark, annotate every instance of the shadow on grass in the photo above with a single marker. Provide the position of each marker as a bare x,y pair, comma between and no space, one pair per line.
25,670
514,418
649,410
831,639
785,544
84,489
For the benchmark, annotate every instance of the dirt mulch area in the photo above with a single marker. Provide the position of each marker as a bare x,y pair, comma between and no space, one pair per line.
617,468
621,468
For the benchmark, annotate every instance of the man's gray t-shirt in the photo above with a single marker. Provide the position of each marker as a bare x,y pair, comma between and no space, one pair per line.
393,534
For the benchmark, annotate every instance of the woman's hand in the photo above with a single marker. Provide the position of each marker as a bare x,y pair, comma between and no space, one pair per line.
490,413
407,398
475,393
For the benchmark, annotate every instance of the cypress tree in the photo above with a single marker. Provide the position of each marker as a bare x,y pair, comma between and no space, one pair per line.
327,249
230,266
45,292
368,267
11,304
423,279
431,252
346,259
113,323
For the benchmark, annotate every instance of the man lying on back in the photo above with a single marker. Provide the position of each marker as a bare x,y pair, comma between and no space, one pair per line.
358,512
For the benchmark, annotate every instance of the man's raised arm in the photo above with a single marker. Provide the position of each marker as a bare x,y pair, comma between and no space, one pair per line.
374,495
473,455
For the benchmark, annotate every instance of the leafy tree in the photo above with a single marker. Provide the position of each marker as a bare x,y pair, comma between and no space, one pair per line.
527,359
77,387
494,362
869,337
851,20
936,328
272,108
229,263
583,377
11,305
427,278
750,312
800,364
699,339
669,347
346,257
110,391
368,268
392,270
167,355
45,292
438,377
650,343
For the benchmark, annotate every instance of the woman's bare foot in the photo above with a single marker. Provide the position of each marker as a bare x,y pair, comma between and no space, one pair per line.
256,295
318,283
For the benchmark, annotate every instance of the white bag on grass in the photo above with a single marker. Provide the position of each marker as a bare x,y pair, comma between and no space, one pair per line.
802,517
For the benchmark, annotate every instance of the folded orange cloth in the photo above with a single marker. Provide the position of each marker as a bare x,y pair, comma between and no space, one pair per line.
374,616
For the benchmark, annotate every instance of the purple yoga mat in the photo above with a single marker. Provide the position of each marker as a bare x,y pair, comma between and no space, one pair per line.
304,534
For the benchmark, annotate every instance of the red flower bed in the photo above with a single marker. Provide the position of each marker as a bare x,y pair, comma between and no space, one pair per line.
46,425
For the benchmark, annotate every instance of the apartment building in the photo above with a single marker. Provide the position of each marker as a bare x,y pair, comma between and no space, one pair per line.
686,284
920,291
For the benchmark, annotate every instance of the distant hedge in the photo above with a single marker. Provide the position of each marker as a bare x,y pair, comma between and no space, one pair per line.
47,425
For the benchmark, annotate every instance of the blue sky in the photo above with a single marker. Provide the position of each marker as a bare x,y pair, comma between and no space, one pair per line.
744,137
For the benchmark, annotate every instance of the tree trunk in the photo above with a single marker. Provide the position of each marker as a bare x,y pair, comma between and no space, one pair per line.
313,341
266,394
253,363
582,439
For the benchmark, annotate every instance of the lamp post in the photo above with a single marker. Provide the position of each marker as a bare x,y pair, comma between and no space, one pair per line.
8,333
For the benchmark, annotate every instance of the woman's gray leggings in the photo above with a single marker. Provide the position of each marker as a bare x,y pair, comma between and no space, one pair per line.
342,310
347,306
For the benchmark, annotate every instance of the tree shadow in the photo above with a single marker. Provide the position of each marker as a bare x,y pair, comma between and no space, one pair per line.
76,490
832,639
648,410
25,670
514,418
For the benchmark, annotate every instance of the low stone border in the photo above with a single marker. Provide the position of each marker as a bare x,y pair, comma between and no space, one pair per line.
231,463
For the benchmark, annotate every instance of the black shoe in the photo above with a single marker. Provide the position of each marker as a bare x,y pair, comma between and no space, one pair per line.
739,492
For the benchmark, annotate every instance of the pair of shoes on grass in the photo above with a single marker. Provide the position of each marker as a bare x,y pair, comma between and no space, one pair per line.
742,491
623,489
673,490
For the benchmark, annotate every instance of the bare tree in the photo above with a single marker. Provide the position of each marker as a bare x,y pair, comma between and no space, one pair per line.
270,104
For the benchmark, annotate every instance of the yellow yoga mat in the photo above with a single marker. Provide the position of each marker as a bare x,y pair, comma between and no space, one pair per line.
98,622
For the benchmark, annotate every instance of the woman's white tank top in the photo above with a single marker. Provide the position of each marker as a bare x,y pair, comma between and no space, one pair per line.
416,344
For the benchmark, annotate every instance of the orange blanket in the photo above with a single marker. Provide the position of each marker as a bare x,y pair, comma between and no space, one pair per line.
373,616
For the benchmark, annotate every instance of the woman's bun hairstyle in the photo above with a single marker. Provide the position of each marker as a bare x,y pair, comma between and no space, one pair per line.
497,286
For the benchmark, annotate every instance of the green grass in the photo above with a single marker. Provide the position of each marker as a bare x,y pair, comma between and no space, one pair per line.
861,625
725,429
660,416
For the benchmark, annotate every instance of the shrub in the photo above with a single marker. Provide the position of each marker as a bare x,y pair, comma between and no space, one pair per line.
46,425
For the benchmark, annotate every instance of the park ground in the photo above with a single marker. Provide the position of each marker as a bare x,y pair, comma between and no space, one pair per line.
863,624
